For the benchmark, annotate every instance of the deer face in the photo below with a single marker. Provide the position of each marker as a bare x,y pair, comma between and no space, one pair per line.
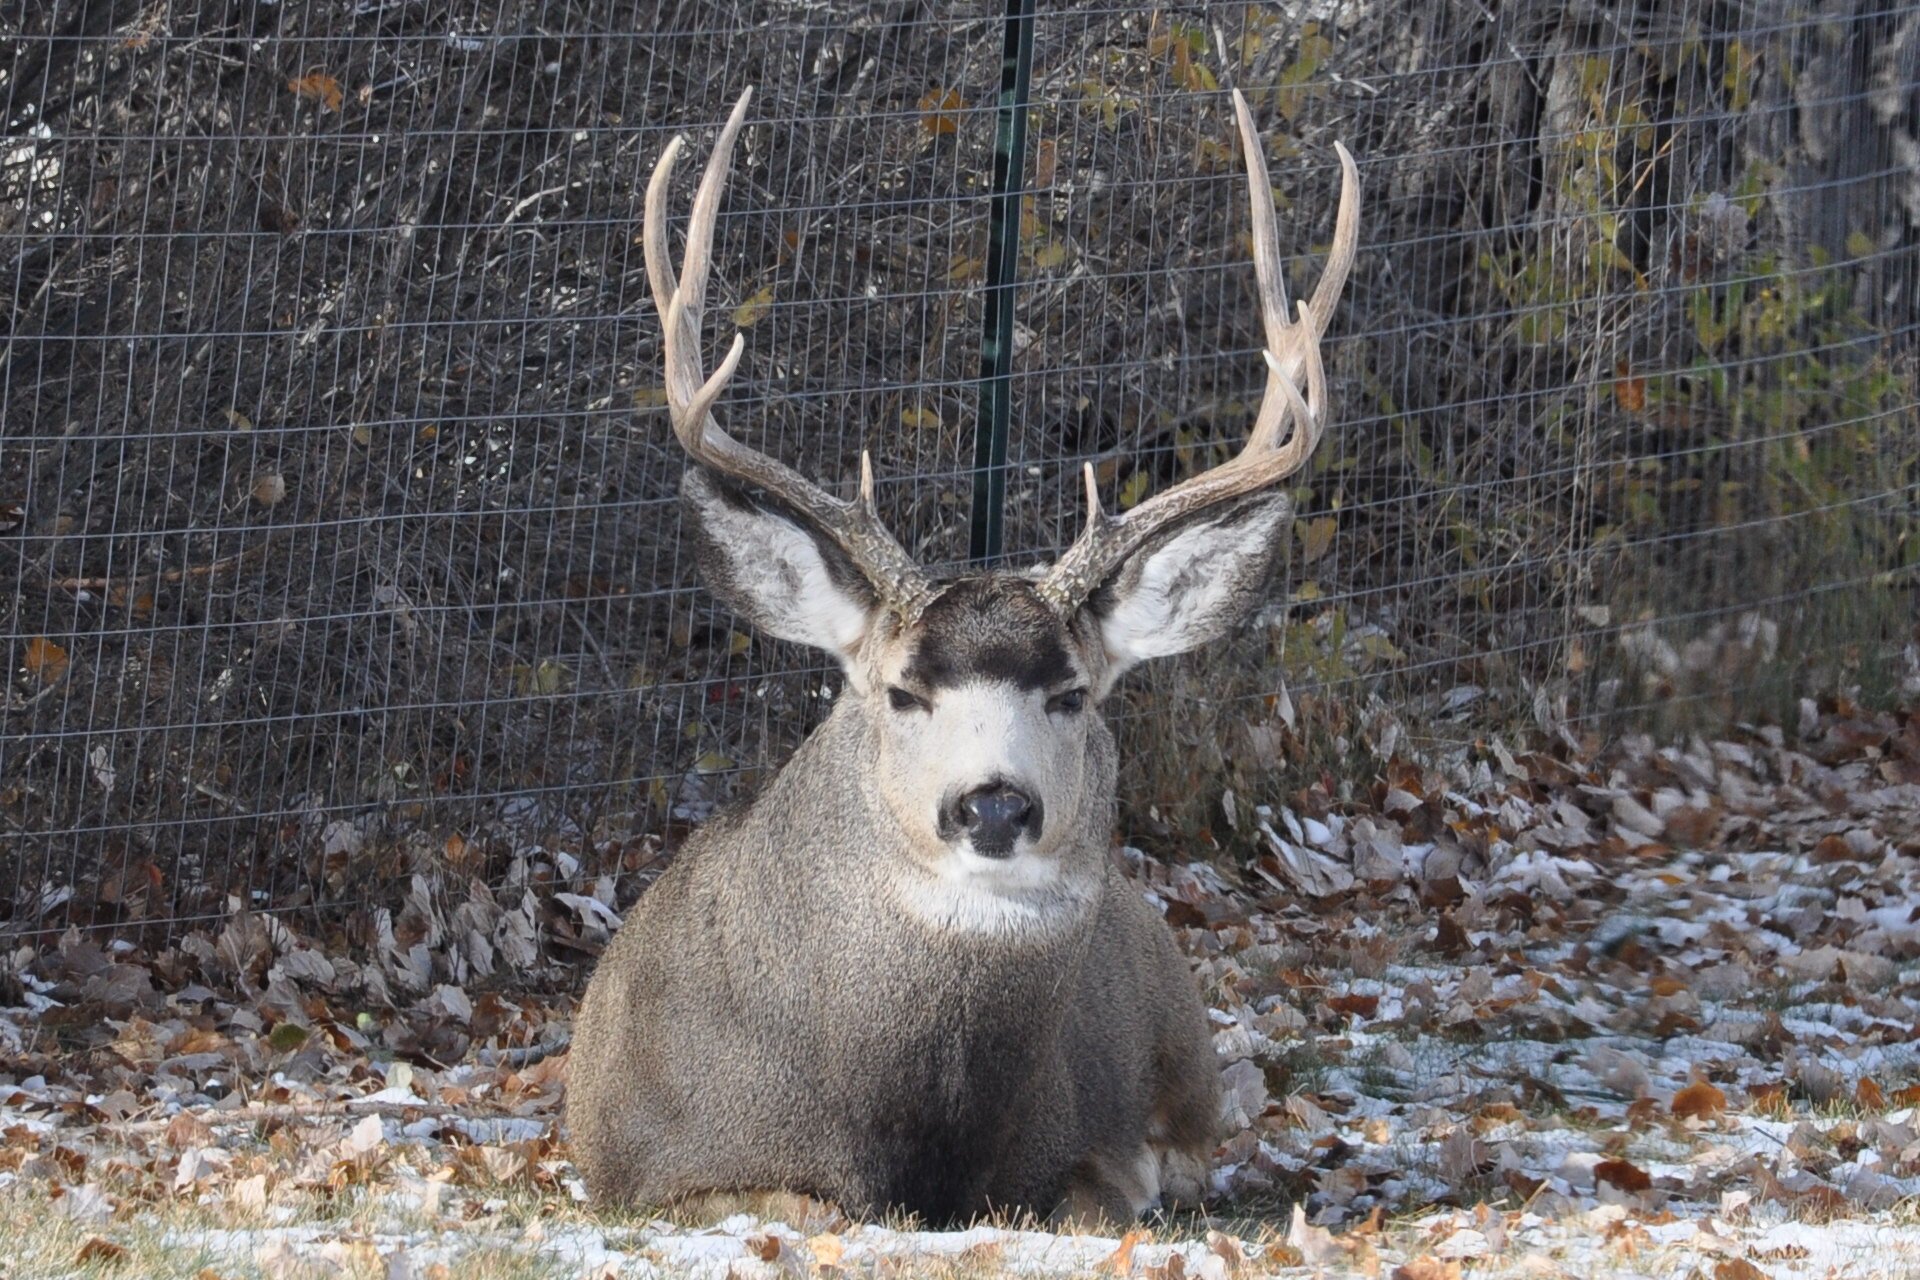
980,711
982,704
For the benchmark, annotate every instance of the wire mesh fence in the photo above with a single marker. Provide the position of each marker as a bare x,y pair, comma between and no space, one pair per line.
338,537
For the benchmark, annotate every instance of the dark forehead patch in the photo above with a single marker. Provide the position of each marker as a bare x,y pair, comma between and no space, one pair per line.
990,629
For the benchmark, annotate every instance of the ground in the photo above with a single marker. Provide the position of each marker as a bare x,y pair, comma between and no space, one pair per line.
1653,1013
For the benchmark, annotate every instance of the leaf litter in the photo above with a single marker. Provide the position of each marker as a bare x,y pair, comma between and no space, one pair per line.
1650,1011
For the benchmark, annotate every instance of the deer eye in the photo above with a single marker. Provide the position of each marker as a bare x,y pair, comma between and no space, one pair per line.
902,700
1068,703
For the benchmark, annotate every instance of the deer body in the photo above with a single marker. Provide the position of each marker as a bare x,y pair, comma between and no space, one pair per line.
908,974
768,1019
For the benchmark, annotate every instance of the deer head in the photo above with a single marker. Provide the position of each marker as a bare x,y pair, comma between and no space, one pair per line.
980,691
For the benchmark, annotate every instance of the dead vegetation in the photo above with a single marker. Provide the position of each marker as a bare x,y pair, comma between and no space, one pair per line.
336,533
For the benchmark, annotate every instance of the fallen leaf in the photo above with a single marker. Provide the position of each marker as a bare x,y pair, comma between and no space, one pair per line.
1355,1006
85,1203
98,1250
1738,1269
100,761
1462,1156
1821,1204
1869,1096
365,1137
1621,1174
323,89
250,1193
1120,1261
188,1130
1834,848
1629,391
939,110
1428,1267
1316,537
280,1260
197,1164
827,1249
1174,1268
504,1164
1228,1250
1464,1243
1054,253
287,1036
1315,1244
45,661
754,309
1046,160
1698,1101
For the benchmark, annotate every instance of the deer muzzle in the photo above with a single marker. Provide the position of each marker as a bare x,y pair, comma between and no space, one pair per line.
992,818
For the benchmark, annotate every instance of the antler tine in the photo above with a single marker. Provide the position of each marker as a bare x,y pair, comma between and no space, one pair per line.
1292,350
1271,280
653,228
854,525
1346,242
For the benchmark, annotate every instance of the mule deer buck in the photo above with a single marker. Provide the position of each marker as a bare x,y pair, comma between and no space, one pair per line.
908,974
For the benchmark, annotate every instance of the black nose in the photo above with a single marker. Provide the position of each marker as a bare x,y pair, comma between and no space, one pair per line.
993,817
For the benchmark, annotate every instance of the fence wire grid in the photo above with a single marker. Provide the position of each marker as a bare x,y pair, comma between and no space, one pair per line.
339,542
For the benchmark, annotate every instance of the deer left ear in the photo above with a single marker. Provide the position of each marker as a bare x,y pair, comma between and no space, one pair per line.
1191,586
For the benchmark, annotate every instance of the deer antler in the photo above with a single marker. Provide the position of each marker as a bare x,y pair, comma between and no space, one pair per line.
854,526
1293,348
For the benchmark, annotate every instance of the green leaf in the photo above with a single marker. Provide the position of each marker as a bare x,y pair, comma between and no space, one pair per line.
754,309
287,1036
1379,648
1051,254
1316,537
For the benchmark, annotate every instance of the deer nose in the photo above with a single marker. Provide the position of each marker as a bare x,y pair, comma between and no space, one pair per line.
993,817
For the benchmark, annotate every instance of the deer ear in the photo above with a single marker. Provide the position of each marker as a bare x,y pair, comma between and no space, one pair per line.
1189,586
766,565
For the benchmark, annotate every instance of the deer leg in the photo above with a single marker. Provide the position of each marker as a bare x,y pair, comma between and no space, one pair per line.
1109,1191
797,1209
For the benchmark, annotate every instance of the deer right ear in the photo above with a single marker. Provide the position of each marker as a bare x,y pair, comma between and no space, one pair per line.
1191,586
770,568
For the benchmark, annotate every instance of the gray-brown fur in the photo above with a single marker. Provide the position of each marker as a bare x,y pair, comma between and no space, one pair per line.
992,628
766,1020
